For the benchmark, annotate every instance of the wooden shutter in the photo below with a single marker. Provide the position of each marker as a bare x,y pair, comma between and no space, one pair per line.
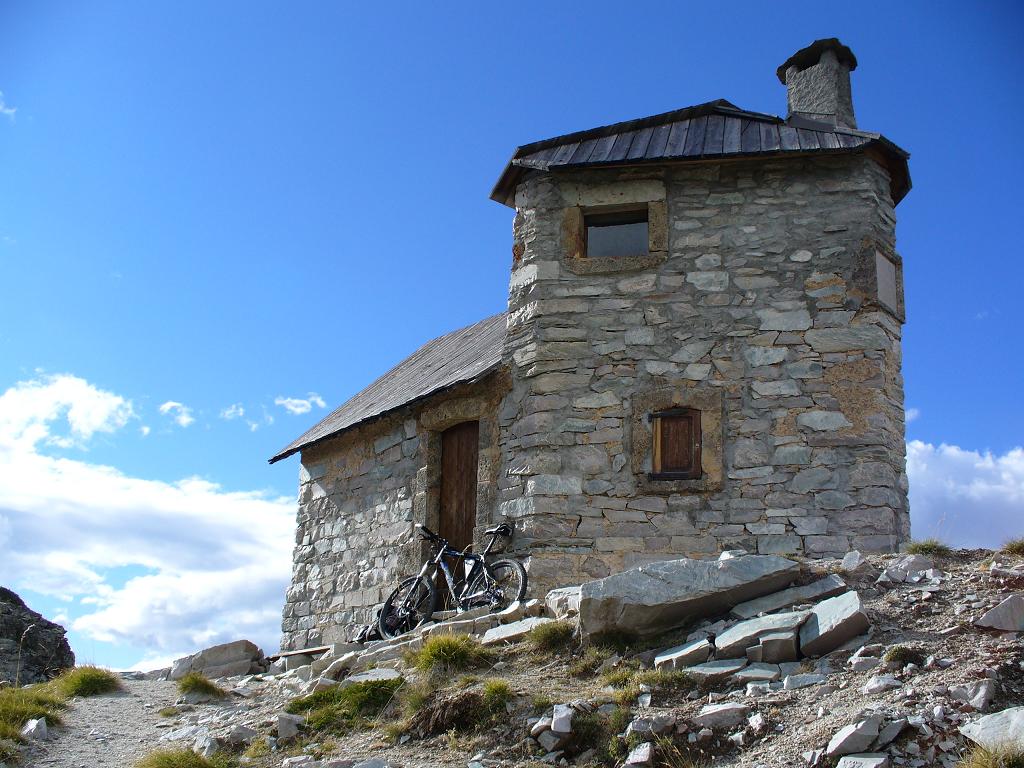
677,441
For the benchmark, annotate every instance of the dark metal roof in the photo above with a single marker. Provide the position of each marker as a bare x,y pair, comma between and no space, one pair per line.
457,357
713,130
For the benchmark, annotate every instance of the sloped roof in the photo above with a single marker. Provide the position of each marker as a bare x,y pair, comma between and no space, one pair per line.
457,357
716,129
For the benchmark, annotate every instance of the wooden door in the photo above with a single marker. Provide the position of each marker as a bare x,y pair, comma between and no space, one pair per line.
459,465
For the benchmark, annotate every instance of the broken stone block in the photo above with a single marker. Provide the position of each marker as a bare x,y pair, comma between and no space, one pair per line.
715,670
827,587
288,725
686,655
880,683
999,729
35,730
656,725
561,718
721,715
642,755
868,760
544,724
370,676
855,737
779,647
666,594
758,673
734,642
889,733
795,682
979,694
551,741
833,622
564,602
510,633
1008,616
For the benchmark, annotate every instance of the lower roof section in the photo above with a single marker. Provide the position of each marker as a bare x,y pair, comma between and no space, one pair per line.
461,356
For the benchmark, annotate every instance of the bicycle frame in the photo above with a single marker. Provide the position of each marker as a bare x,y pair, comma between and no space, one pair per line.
462,601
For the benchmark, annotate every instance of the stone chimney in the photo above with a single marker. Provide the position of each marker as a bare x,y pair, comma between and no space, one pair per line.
817,80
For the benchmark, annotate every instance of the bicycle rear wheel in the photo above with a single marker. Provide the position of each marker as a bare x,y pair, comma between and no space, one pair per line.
411,604
506,585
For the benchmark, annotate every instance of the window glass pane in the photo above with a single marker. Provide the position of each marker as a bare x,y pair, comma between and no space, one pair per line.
623,233
888,292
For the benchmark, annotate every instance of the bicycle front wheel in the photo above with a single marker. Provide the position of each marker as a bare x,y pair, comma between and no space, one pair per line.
407,607
507,583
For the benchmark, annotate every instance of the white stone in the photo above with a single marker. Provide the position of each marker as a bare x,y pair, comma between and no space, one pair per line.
561,718
288,725
713,670
1000,729
734,642
721,715
510,633
564,602
1008,616
855,737
370,676
826,587
686,655
880,683
35,730
867,760
833,622
823,421
795,682
642,755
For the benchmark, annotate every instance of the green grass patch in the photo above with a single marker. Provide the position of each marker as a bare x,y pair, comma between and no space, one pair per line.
19,705
86,681
660,681
183,758
1006,757
1014,547
587,663
339,709
168,712
931,547
551,637
600,732
194,682
450,653
903,655
496,694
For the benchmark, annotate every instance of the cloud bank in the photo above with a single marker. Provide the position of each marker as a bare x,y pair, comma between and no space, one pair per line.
966,498
214,564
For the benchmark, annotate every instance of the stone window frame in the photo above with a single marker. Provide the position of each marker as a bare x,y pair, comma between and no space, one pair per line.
432,421
711,405
595,199
866,277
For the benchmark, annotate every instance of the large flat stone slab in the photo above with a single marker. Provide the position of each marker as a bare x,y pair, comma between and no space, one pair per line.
686,655
833,622
510,633
1000,729
716,670
663,595
733,643
1008,616
817,590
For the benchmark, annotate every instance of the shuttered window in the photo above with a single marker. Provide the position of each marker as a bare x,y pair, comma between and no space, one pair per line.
677,440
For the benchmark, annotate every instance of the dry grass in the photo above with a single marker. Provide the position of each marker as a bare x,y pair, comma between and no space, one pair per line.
86,681
930,547
903,655
1005,757
1014,547
450,653
182,758
194,682
338,709
551,638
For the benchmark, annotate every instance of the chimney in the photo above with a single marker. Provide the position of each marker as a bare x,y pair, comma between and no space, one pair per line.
817,80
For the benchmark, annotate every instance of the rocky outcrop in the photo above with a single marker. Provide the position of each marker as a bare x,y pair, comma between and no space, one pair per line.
32,649
664,595
240,657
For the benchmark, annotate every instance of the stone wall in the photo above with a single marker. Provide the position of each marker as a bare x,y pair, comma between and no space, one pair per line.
359,496
762,313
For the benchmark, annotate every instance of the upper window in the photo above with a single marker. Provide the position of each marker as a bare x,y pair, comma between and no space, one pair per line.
677,440
617,233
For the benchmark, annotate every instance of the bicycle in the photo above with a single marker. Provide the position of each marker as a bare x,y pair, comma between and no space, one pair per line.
497,584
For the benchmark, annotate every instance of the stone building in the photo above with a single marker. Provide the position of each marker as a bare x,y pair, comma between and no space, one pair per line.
701,351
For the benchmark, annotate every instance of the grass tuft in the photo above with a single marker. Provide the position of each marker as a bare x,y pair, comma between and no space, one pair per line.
1005,757
903,655
497,694
86,681
601,733
168,712
1014,547
182,758
931,547
449,653
551,637
338,709
587,663
194,682
629,681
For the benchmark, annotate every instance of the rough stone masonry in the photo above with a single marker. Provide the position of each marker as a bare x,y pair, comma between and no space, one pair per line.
768,303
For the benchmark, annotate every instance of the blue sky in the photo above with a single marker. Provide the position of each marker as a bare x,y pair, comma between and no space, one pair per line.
249,209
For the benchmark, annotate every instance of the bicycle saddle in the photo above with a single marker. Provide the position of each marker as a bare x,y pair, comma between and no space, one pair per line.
502,530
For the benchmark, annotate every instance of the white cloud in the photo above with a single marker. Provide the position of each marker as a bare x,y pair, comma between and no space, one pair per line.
966,498
212,565
5,110
30,410
181,414
913,414
233,411
144,430
298,405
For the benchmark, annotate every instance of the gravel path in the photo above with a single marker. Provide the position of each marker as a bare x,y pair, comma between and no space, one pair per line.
111,730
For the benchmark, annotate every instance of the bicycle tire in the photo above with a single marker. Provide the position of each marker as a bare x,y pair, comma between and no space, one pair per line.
516,590
391,622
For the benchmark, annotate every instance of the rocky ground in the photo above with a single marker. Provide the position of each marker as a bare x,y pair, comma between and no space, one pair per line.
945,673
